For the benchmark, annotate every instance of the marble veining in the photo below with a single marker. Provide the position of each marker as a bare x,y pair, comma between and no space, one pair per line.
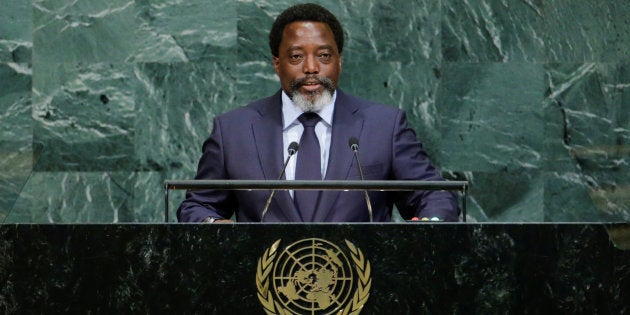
415,268
102,101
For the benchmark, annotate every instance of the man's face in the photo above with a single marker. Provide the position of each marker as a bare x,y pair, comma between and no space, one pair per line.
308,55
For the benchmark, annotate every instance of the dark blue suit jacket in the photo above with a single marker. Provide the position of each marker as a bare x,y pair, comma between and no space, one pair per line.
246,143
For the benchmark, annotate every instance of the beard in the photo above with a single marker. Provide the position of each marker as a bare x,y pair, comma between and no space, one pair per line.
312,101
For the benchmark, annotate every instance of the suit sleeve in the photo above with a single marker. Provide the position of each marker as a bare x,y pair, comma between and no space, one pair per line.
410,162
220,204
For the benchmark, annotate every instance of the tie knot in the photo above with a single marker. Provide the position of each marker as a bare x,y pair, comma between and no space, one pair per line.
309,119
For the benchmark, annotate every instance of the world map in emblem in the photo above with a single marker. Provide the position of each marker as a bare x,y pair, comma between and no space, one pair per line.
313,276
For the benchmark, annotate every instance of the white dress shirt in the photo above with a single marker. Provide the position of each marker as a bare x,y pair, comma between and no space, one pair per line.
292,131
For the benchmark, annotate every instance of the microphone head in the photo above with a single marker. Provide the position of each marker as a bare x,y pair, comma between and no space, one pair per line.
353,142
293,147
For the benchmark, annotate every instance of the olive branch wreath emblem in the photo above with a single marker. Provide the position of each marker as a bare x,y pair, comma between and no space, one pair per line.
272,307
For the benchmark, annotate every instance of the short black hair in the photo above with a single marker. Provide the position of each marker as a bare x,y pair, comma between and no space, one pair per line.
304,12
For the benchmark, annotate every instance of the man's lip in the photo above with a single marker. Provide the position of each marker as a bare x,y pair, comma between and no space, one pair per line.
311,87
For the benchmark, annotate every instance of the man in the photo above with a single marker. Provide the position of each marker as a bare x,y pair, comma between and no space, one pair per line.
306,42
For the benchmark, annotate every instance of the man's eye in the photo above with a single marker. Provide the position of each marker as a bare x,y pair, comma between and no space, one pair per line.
325,57
295,57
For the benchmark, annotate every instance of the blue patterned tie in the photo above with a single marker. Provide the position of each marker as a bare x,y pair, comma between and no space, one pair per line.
308,166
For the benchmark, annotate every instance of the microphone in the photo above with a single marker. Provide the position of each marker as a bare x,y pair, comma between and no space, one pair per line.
292,149
354,146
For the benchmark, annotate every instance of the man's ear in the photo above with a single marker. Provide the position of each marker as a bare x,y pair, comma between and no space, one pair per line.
276,63
340,63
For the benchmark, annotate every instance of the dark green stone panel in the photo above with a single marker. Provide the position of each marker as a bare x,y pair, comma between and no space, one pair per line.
84,31
16,154
84,117
16,40
493,30
75,197
525,99
171,31
175,106
491,116
590,31
587,124
410,86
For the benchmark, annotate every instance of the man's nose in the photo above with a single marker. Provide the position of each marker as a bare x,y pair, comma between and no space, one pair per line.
311,66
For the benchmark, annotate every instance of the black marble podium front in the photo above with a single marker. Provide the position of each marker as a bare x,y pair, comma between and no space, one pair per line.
415,268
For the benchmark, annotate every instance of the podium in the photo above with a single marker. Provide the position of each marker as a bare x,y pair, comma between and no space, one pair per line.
414,268
272,185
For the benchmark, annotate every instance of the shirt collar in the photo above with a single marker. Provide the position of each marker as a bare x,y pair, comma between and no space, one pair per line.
290,112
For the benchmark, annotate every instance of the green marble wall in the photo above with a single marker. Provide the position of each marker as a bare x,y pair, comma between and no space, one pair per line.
100,101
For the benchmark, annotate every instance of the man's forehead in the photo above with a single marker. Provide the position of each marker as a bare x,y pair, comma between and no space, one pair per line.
308,30
301,28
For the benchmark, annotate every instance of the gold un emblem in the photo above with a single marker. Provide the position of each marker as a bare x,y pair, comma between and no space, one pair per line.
313,276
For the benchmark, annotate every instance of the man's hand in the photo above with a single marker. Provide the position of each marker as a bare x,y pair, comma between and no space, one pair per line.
215,220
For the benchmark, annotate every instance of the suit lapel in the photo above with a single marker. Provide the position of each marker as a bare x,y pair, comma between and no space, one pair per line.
346,124
267,134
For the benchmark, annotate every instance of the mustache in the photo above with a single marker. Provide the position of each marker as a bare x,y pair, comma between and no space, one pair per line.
326,82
